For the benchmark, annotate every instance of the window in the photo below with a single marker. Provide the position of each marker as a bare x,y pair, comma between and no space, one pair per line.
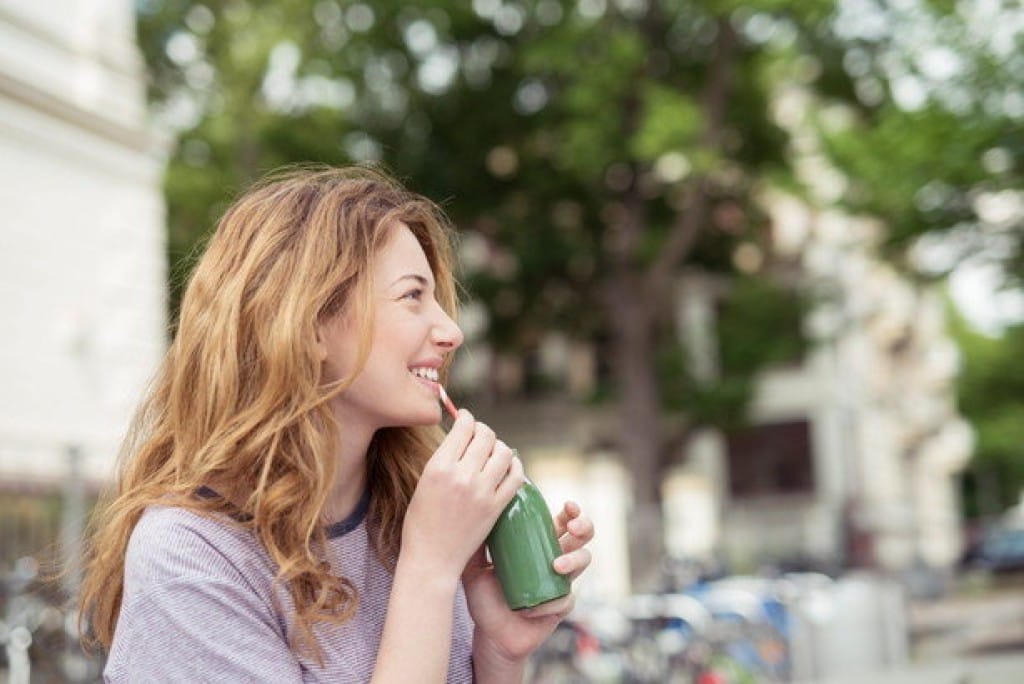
770,459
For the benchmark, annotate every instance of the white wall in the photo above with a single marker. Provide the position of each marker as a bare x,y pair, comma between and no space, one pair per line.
600,486
82,265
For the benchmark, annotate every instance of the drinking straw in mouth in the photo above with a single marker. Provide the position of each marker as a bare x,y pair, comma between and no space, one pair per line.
447,402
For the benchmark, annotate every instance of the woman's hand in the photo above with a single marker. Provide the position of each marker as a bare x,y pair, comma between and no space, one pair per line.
505,637
465,485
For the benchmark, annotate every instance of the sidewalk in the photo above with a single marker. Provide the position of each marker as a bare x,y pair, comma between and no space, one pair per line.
961,639
986,669
989,622
966,638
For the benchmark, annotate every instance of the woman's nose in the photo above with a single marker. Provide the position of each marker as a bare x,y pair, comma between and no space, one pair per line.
446,332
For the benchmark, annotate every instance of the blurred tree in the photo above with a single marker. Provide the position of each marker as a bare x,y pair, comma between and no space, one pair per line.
928,127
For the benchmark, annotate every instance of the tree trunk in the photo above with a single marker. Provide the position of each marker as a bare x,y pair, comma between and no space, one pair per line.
633,351
635,296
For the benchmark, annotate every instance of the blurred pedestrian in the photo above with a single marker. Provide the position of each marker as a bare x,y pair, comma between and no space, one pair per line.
287,506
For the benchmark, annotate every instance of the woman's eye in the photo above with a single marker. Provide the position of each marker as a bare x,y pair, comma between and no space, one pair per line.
414,295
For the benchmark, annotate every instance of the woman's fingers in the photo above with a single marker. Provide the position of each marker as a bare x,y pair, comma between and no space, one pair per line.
557,608
579,531
454,445
497,465
573,563
512,480
478,449
572,528
570,510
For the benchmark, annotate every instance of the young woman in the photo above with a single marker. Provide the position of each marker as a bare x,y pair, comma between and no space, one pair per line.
288,508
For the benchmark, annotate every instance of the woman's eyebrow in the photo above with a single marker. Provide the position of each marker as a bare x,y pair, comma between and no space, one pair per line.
422,280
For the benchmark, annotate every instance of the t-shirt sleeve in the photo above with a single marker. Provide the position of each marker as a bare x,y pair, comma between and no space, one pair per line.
189,614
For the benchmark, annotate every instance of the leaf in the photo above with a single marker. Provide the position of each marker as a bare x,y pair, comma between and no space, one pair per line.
671,122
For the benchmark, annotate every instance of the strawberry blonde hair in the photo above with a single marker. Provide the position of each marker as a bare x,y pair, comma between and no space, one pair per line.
240,404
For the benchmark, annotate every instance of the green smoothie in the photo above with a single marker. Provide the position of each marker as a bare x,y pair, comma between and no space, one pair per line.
523,546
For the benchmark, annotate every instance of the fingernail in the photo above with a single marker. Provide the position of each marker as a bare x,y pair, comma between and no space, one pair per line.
561,564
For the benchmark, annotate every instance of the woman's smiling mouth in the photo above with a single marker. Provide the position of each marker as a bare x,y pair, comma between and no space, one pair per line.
425,372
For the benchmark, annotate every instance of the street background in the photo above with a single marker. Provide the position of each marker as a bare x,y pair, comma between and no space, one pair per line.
742,278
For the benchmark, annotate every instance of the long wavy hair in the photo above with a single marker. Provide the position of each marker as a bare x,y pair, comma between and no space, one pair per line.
240,403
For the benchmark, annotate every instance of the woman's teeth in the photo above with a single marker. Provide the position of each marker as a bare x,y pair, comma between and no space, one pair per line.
425,373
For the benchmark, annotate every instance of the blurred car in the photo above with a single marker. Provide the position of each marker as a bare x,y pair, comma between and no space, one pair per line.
1001,550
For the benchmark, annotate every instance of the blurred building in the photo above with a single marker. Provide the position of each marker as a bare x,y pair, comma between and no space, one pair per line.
852,454
871,412
82,269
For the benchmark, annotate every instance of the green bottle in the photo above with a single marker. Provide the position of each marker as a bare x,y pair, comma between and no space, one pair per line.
523,546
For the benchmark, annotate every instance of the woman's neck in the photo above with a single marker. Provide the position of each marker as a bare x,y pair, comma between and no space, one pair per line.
350,475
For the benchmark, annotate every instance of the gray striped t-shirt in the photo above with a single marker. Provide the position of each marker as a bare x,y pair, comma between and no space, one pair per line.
201,605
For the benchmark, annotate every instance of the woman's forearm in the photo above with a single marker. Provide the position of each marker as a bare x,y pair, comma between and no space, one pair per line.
417,636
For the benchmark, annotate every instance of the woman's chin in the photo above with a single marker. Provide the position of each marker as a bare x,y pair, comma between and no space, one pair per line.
420,419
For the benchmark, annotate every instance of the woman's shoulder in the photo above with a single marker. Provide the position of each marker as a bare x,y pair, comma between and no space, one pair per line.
170,524
203,585
174,541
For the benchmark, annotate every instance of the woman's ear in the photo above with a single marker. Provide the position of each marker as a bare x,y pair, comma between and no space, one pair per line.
320,345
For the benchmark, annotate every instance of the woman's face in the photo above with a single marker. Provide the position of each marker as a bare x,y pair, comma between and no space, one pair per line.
411,337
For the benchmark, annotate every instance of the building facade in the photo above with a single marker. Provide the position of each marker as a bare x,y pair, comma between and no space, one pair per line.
852,455
82,269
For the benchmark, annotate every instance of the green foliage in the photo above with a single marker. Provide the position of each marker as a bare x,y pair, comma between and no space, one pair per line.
614,94
991,396
756,309
671,121
919,149
900,153
759,326
591,127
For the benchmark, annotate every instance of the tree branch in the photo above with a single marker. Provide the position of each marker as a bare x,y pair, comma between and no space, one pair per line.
691,219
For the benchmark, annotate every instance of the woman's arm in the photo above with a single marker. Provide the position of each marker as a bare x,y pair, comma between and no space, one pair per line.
463,488
418,630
